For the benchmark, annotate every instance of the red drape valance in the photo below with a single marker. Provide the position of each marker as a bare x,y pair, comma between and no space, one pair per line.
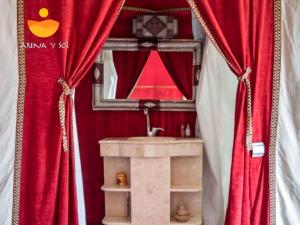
243,32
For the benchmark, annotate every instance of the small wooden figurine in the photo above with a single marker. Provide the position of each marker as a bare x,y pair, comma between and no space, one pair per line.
121,179
182,214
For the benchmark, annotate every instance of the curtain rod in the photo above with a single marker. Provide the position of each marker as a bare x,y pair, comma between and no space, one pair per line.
138,9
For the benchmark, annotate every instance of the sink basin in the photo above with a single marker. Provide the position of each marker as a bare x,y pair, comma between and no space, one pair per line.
156,138
143,146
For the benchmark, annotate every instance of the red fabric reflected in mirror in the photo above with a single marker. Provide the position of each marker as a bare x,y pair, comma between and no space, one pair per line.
155,82
180,67
129,65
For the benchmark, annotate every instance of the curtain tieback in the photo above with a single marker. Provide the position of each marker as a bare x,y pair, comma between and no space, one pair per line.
244,78
66,91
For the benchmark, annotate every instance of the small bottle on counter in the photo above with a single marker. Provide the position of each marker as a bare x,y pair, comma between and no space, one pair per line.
182,131
187,131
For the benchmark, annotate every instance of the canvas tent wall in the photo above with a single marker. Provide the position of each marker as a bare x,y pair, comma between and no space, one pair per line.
287,142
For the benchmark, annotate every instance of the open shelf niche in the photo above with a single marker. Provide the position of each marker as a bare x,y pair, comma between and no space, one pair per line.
193,203
117,198
186,186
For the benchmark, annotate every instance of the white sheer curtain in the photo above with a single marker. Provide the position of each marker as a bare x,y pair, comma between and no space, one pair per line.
9,79
288,140
78,170
198,31
110,74
215,103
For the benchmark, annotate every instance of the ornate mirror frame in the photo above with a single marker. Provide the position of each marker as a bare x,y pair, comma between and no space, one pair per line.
133,44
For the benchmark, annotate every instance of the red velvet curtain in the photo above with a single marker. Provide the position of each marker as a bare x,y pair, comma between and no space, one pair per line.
243,32
48,192
129,65
180,67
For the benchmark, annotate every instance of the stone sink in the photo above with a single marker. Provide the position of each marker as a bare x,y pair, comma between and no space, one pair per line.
145,138
150,146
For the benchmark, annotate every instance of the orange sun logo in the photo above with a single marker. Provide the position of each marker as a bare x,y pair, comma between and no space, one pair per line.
44,28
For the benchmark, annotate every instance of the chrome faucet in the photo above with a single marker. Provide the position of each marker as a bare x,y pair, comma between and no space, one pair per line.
151,132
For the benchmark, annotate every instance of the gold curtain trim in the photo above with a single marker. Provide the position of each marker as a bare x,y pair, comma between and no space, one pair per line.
244,78
138,9
20,113
66,91
206,29
275,108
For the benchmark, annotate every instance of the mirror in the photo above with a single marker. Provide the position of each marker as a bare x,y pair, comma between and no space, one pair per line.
132,74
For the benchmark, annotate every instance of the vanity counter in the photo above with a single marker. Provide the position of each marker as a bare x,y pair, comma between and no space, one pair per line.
160,173
150,147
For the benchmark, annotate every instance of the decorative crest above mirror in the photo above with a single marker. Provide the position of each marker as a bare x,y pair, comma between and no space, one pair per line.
125,79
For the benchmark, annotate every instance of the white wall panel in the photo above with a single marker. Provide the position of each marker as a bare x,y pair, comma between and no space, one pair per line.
215,108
